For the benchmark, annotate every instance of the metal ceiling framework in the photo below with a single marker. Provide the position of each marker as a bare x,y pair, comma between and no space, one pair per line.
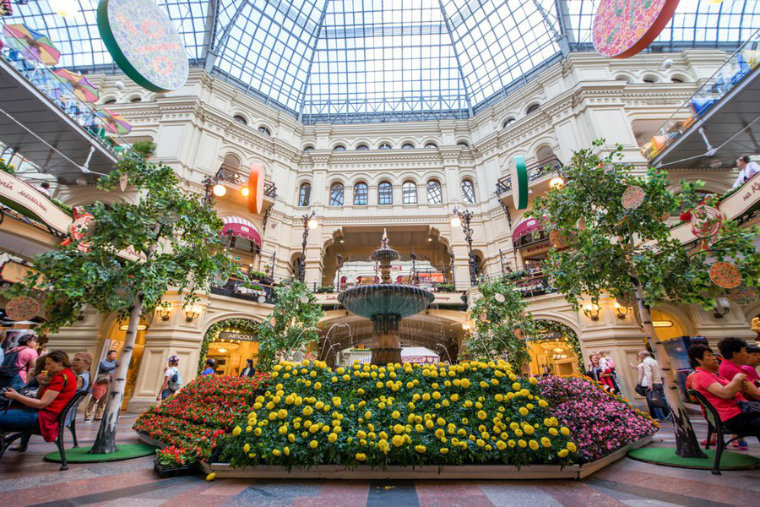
351,61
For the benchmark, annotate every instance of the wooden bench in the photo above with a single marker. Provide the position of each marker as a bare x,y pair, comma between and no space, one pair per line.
716,426
66,419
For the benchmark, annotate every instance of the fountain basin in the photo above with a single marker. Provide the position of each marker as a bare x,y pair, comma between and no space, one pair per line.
371,301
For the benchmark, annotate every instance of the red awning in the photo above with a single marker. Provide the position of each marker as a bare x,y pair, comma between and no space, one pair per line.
524,228
241,228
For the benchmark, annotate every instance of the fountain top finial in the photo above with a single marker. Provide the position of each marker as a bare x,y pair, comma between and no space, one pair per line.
384,242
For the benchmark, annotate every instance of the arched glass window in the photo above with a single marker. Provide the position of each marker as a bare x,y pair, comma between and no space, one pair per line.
407,146
304,194
532,108
409,192
110,101
463,144
468,191
240,119
360,194
431,146
434,193
362,147
231,161
385,146
385,193
339,147
336,194
265,130
308,149
509,121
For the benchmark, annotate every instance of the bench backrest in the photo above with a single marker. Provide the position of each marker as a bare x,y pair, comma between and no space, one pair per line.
70,410
710,413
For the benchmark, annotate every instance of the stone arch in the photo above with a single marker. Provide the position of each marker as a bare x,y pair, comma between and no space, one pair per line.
211,331
624,76
681,76
362,141
674,311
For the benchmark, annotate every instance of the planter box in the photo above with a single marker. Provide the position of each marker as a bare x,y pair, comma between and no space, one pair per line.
165,471
476,472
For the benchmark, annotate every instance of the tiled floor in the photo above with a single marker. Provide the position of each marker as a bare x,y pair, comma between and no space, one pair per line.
27,480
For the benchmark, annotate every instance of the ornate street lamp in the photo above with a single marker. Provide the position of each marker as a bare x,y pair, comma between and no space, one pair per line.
309,223
464,218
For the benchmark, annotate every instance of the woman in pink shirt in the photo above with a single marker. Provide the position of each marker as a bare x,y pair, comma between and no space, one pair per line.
14,372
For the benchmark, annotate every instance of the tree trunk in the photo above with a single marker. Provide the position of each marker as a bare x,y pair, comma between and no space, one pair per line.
687,445
105,442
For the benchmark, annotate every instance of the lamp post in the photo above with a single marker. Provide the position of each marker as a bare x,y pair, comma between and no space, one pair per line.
309,222
339,264
464,218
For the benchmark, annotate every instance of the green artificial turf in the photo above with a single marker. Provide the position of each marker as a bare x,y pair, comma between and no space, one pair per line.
667,456
79,454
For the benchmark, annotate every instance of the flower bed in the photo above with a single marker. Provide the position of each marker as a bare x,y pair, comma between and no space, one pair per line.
600,422
190,422
471,413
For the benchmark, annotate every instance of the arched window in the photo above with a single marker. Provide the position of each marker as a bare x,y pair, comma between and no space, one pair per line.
431,146
339,147
240,119
110,101
463,144
434,192
362,147
385,146
544,153
407,146
532,108
509,121
650,78
385,193
304,194
307,149
409,192
468,191
135,100
336,194
360,194
231,160
265,130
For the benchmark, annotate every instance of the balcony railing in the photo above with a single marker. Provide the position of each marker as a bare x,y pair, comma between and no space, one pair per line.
61,93
232,289
536,285
535,172
270,190
730,74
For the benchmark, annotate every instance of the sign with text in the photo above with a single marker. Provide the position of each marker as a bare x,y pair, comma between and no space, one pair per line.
623,28
35,201
243,337
144,43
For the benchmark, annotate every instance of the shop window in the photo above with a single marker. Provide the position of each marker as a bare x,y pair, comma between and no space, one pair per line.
468,191
409,192
434,192
385,193
360,194
304,194
336,194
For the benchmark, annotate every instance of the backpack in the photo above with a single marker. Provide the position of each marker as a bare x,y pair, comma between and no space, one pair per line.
175,382
9,369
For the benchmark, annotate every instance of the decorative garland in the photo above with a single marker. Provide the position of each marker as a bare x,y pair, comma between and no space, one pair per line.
245,326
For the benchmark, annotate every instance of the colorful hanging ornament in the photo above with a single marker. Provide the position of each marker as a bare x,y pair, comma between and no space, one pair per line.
22,308
499,297
706,221
78,228
123,182
558,239
256,189
633,197
743,295
725,275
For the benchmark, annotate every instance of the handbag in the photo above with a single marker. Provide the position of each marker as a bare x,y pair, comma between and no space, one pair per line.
749,407
640,390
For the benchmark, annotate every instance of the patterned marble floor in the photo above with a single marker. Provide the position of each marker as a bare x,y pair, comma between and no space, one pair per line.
27,480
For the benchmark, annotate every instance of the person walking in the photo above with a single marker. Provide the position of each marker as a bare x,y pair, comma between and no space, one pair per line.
210,365
172,380
17,361
249,370
655,392
100,387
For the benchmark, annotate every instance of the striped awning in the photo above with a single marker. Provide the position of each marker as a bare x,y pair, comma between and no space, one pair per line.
524,228
241,228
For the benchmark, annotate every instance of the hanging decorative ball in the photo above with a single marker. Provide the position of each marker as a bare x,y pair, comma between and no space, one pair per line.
743,295
262,299
706,221
725,275
304,299
499,297
633,197
484,316
22,308
123,182
558,240
273,321
519,334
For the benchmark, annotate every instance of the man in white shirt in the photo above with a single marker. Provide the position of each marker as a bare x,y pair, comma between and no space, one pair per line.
747,169
652,383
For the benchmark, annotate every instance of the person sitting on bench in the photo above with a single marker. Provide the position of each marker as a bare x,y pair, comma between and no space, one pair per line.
40,414
735,412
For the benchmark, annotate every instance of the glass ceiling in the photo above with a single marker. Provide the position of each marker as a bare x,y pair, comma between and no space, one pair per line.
346,61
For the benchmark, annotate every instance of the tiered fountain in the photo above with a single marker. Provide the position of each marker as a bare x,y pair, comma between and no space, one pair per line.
385,304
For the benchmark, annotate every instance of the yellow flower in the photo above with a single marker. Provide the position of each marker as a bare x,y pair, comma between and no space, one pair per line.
360,456
500,445
564,430
444,450
441,421
533,445
398,440
236,432
275,452
533,380
480,442
367,414
516,386
482,415
563,453
522,443
523,411
528,429
210,477
313,444
246,447
332,437
439,433
396,414
420,449
317,385
571,447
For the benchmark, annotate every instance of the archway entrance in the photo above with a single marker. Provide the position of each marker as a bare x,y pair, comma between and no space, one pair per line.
117,333
555,350
230,343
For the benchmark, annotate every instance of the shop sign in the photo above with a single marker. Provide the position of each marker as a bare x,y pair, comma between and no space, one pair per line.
13,272
144,43
623,28
243,337
35,201
536,248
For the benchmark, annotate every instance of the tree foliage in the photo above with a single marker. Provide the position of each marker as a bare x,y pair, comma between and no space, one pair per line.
175,237
501,324
291,326
610,246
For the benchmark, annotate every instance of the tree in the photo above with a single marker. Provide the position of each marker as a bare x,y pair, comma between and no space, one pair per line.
173,241
631,254
292,325
501,324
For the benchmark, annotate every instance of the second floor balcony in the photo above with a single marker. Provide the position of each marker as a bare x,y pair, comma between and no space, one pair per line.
539,171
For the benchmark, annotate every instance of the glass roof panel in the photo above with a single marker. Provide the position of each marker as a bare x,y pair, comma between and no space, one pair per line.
382,60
